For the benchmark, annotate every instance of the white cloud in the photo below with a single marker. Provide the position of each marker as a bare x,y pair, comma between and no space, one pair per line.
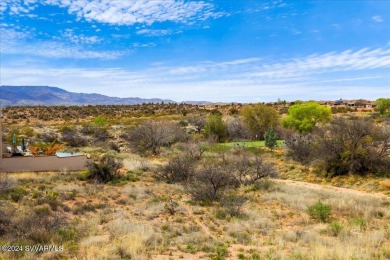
123,12
149,44
154,32
328,62
377,18
15,42
17,7
348,74
79,39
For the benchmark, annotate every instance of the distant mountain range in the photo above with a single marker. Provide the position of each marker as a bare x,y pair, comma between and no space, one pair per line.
50,96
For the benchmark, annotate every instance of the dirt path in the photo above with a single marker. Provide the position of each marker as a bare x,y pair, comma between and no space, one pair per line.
332,188
196,220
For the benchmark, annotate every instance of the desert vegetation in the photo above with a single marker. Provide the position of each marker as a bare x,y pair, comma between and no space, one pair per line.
176,181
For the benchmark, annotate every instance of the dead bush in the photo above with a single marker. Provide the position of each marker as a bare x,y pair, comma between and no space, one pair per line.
300,147
179,169
237,130
211,180
150,136
248,169
195,151
6,184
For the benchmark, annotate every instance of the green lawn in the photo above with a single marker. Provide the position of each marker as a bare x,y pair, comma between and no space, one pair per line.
250,144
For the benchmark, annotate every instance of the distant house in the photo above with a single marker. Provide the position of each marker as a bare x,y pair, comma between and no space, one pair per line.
369,104
326,103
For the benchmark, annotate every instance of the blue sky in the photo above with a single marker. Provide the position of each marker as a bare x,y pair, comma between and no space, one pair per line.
243,51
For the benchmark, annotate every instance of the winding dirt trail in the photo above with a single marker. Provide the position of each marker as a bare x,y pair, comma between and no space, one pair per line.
315,186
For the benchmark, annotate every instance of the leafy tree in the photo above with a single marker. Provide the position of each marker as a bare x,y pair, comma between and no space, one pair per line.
215,127
270,138
303,117
258,118
383,104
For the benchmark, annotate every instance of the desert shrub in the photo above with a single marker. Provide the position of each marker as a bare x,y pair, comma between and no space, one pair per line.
104,170
198,122
101,135
38,225
100,121
179,169
248,170
335,228
216,128
6,184
237,129
88,130
73,138
6,214
114,146
320,211
195,151
354,145
171,207
264,184
300,147
48,137
359,221
15,194
128,177
211,180
51,198
150,136
232,205
83,208
220,252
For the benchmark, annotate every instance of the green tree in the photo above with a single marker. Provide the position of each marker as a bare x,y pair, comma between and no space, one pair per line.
270,139
215,127
258,118
383,104
303,117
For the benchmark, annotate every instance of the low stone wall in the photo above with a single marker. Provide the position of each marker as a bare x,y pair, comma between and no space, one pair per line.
43,163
